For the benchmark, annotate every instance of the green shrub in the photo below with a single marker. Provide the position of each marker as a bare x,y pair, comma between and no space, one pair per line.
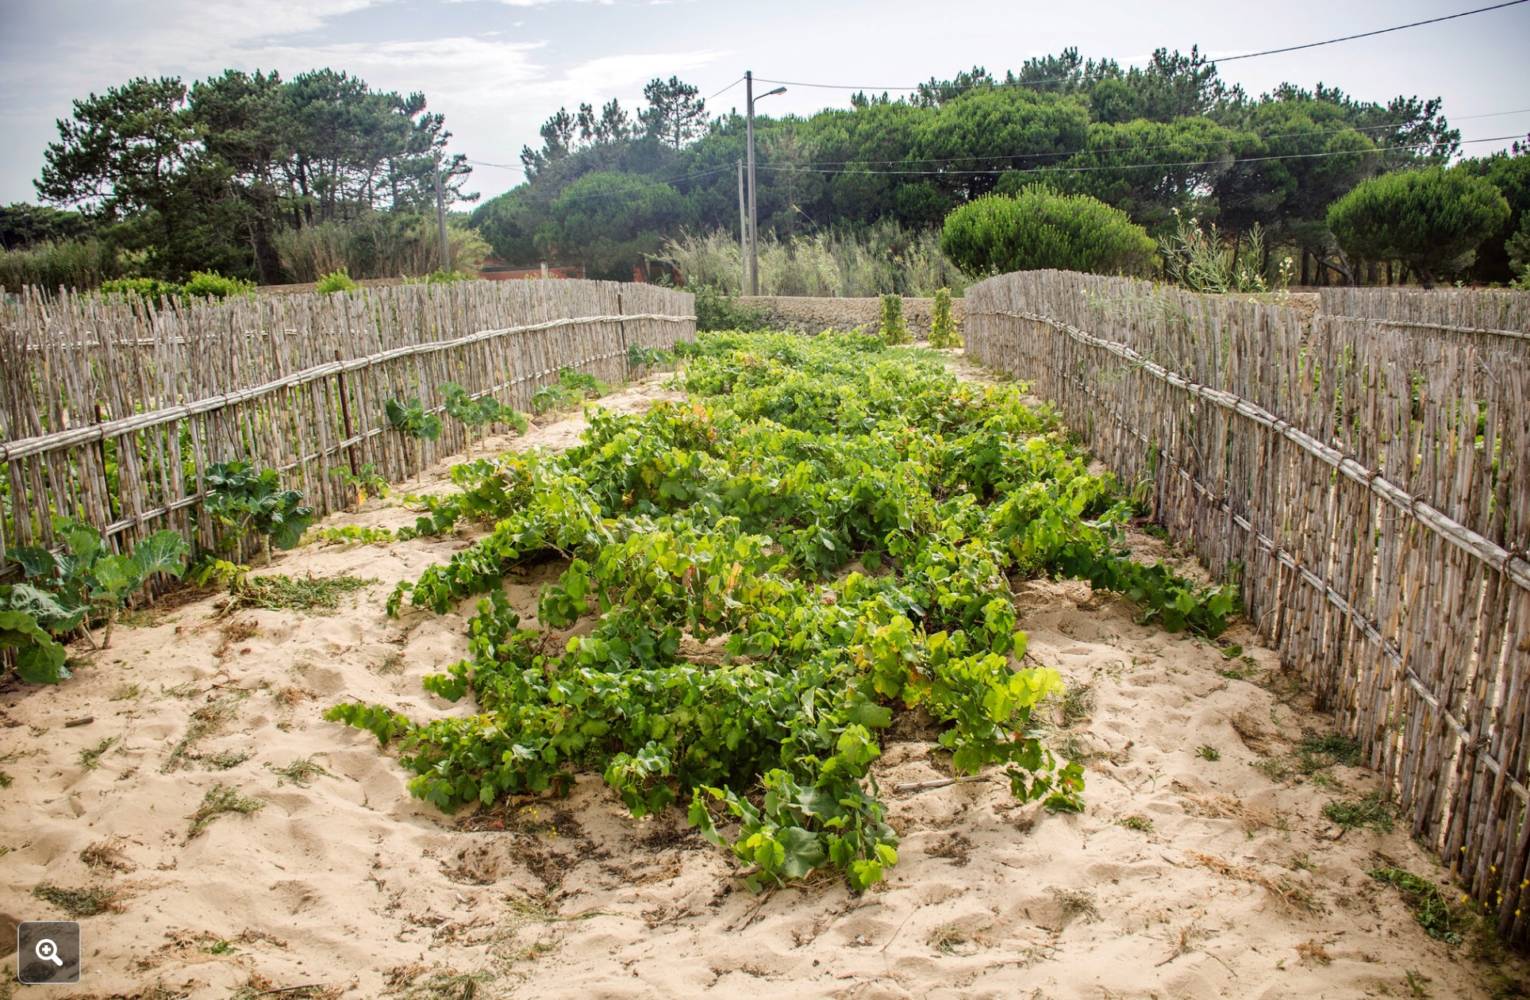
572,388
475,414
415,422
1038,228
335,281
942,325
893,330
716,310
244,499
412,419
1431,220
212,285
70,590
150,290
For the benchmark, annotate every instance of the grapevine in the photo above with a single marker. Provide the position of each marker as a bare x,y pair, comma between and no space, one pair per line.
839,523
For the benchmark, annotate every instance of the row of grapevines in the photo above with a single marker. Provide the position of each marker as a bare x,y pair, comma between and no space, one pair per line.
841,522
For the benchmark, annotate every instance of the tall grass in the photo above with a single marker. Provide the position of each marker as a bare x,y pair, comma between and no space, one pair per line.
885,259
1204,260
376,246
66,263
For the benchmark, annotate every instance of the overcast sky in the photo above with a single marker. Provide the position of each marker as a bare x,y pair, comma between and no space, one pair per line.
497,68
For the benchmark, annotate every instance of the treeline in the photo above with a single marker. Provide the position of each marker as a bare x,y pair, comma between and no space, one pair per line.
245,174
1169,137
273,180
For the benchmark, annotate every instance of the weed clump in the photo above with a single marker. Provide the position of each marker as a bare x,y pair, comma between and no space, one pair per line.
1372,811
1318,751
90,758
220,799
300,772
205,721
1424,898
87,901
106,855
279,592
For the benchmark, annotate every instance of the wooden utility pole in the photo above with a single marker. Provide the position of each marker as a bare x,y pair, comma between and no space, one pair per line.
754,213
743,232
446,248
754,218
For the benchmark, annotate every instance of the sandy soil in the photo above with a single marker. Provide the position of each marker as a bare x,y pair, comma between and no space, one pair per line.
1192,873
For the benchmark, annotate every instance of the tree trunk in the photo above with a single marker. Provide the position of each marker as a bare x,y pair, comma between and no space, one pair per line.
267,263
307,204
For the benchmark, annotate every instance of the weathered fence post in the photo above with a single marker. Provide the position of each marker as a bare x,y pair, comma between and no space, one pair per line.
345,416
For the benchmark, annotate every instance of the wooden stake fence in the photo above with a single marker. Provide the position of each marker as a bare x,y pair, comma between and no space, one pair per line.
111,411
1365,476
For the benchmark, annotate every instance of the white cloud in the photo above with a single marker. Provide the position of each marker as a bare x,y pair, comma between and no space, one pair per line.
494,93
464,72
185,38
624,75
495,87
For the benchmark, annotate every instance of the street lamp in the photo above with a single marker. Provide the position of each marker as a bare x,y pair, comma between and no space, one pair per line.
754,218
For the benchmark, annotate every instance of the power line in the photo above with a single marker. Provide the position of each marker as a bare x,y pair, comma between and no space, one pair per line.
1371,34
500,166
729,87
1131,166
1246,55
832,86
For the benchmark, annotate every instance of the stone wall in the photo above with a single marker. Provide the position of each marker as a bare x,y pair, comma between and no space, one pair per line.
814,315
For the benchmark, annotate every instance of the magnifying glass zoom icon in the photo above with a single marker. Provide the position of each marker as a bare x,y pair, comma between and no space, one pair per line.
48,952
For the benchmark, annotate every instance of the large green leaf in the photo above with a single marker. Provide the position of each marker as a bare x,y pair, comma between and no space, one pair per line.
83,541
35,561
116,576
39,658
286,529
162,552
53,612
803,849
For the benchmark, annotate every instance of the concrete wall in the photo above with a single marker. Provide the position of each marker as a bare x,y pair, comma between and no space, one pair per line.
814,315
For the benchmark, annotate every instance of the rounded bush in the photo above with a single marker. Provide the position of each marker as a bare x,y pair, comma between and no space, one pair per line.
335,281
212,285
1038,228
1432,220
